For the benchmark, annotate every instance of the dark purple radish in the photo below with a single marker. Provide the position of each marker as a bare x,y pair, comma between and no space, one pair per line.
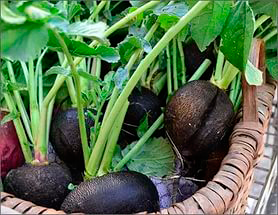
197,118
10,152
66,140
194,58
142,102
43,185
114,193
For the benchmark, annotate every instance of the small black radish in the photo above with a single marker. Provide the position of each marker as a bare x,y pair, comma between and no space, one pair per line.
114,193
43,185
65,137
142,102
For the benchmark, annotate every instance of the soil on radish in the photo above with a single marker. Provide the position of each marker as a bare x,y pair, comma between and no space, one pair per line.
197,118
113,193
10,151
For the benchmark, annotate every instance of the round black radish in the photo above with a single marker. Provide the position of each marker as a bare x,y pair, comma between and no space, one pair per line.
43,185
197,117
194,58
114,193
65,137
142,102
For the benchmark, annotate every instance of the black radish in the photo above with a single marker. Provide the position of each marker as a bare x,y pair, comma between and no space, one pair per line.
65,137
197,117
43,185
113,193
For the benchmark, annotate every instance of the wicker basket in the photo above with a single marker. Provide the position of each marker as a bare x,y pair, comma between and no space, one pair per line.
228,191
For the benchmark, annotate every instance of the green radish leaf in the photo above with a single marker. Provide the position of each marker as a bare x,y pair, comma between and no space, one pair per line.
87,29
265,7
209,24
237,35
58,70
87,76
74,9
108,54
107,14
69,9
143,126
107,85
176,9
272,43
38,10
81,49
167,21
9,117
156,158
184,32
121,78
272,66
23,41
130,44
16,86
136,31
117,157
11,17
59,23
253,75
137,3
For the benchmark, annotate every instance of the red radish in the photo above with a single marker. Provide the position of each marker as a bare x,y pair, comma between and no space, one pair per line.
10,151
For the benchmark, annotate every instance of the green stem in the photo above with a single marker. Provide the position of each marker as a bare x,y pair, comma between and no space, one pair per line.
238,102
151,74
235,89
97,10
175,72
169,73
219,66
140,143
200,71
160,83
80,112
25,72
270,35
40,143
95,157
183,68
229,74
133,59
111,102
97,121
98,67
19,103
19,130
263,30
49,118
115,5
260,21
232,94
34,108
71,90
38,77
112,141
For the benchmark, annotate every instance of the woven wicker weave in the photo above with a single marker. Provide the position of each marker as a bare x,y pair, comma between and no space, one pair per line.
228,191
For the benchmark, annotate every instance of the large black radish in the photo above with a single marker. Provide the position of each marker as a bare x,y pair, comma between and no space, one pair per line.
114,193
